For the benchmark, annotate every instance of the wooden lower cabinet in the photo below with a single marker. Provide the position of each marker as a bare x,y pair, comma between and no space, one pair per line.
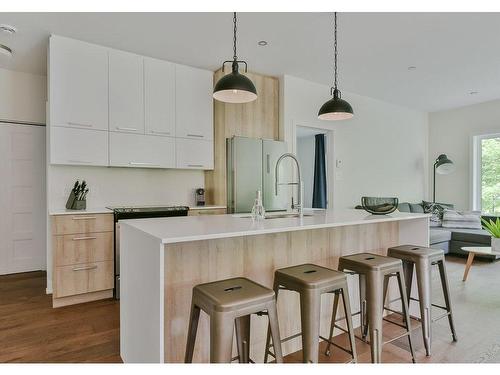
83,258
206,211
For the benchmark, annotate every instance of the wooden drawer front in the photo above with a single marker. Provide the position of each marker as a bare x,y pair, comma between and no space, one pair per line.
83,248
71,224
83,278
215,211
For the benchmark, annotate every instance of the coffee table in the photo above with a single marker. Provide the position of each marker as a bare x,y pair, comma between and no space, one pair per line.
473,250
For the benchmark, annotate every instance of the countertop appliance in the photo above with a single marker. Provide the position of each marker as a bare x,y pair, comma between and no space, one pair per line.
144,212
200,197
250,167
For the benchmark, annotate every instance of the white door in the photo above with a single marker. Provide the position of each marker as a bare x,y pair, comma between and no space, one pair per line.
126,92
78,84
141,151
194,103
78,146
159,97
22,198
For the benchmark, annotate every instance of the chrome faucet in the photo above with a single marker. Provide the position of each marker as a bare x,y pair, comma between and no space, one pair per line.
300,190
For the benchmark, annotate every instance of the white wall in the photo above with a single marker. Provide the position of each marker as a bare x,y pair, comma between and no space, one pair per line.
306,150
124,186
383,148
450,133
22,97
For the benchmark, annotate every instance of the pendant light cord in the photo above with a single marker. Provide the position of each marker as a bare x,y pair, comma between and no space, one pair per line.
335,48
234,37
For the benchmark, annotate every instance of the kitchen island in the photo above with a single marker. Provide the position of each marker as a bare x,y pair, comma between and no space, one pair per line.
163,258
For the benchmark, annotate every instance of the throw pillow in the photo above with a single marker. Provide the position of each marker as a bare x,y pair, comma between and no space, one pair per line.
462,219
436,210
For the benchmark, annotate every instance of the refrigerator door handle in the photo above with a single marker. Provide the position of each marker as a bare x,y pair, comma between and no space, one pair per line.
268,163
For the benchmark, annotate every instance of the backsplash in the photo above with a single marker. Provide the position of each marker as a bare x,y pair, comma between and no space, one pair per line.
124,186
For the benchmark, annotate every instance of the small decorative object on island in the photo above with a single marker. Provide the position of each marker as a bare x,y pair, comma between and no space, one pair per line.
494,228
379,206
77,199
258,211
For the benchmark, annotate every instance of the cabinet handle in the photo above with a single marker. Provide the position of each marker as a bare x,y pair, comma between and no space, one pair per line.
127,129
80,124
84,218
196,135
139,163
195,165
83,238
85,268
80,162
159,132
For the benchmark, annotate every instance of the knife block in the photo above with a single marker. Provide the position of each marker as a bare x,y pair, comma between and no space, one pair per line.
75,204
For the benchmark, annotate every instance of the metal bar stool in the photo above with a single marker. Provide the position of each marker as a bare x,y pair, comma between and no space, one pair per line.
374,272
423,258
229,304
311,281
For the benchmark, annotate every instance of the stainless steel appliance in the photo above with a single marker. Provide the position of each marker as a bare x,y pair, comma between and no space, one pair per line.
251,166
122,213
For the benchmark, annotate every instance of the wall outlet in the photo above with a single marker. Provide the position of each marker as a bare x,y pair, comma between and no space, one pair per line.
338,163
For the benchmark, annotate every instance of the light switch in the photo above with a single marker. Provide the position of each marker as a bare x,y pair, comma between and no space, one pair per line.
338,163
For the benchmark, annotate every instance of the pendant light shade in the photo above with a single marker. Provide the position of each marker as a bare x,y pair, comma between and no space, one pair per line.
235,87
336,108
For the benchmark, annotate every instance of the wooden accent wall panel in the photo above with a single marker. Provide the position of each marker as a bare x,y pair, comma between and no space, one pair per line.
257,119
257,257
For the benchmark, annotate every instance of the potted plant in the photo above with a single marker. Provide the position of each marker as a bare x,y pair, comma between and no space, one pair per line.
494,228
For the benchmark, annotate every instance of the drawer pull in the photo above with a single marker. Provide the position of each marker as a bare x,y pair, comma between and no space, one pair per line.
86,268
145,164
80,124
126,129
196,135
83,238
84,218
195,165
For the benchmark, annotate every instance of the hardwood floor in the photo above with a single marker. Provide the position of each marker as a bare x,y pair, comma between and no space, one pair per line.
32,331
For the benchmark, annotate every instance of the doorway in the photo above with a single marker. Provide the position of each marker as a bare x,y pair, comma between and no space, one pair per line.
313,147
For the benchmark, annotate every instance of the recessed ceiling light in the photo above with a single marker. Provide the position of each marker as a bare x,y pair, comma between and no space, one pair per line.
473,92
412,68
8,29
262,43
4,50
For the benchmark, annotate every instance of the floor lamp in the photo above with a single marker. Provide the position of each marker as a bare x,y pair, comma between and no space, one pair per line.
442,165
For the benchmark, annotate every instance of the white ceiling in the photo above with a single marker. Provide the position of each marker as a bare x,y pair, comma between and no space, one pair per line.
454,53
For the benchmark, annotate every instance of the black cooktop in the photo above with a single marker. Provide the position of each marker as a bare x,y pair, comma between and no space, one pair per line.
148,209
121,213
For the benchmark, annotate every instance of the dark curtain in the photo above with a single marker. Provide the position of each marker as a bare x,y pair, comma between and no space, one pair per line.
319,188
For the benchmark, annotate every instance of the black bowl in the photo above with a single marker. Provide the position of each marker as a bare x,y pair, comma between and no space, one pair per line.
379,206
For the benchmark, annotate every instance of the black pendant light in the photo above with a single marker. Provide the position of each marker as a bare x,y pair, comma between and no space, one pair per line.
235,87
336,108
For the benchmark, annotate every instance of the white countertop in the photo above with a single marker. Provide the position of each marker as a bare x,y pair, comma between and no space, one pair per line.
195,228
90,210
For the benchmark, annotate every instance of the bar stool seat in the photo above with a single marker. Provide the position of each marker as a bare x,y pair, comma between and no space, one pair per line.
229,303
374,272
422,259
311,281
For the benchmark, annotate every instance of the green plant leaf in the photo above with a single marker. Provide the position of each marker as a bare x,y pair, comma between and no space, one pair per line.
493,227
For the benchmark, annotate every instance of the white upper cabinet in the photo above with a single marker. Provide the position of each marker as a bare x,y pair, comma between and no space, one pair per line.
126,92
194,103
159,97
78,146
141,151
78,84
194,153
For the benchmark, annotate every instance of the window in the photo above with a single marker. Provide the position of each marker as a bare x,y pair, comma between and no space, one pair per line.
486,187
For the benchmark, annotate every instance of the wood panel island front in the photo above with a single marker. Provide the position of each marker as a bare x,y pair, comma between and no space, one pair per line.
163,259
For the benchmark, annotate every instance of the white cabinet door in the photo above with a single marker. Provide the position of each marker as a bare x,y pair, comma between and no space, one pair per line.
22,198
78,146
159,97
78,84
194,103
194,153
141,151
126,92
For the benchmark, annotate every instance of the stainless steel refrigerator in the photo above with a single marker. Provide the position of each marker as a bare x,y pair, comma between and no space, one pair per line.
251,166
